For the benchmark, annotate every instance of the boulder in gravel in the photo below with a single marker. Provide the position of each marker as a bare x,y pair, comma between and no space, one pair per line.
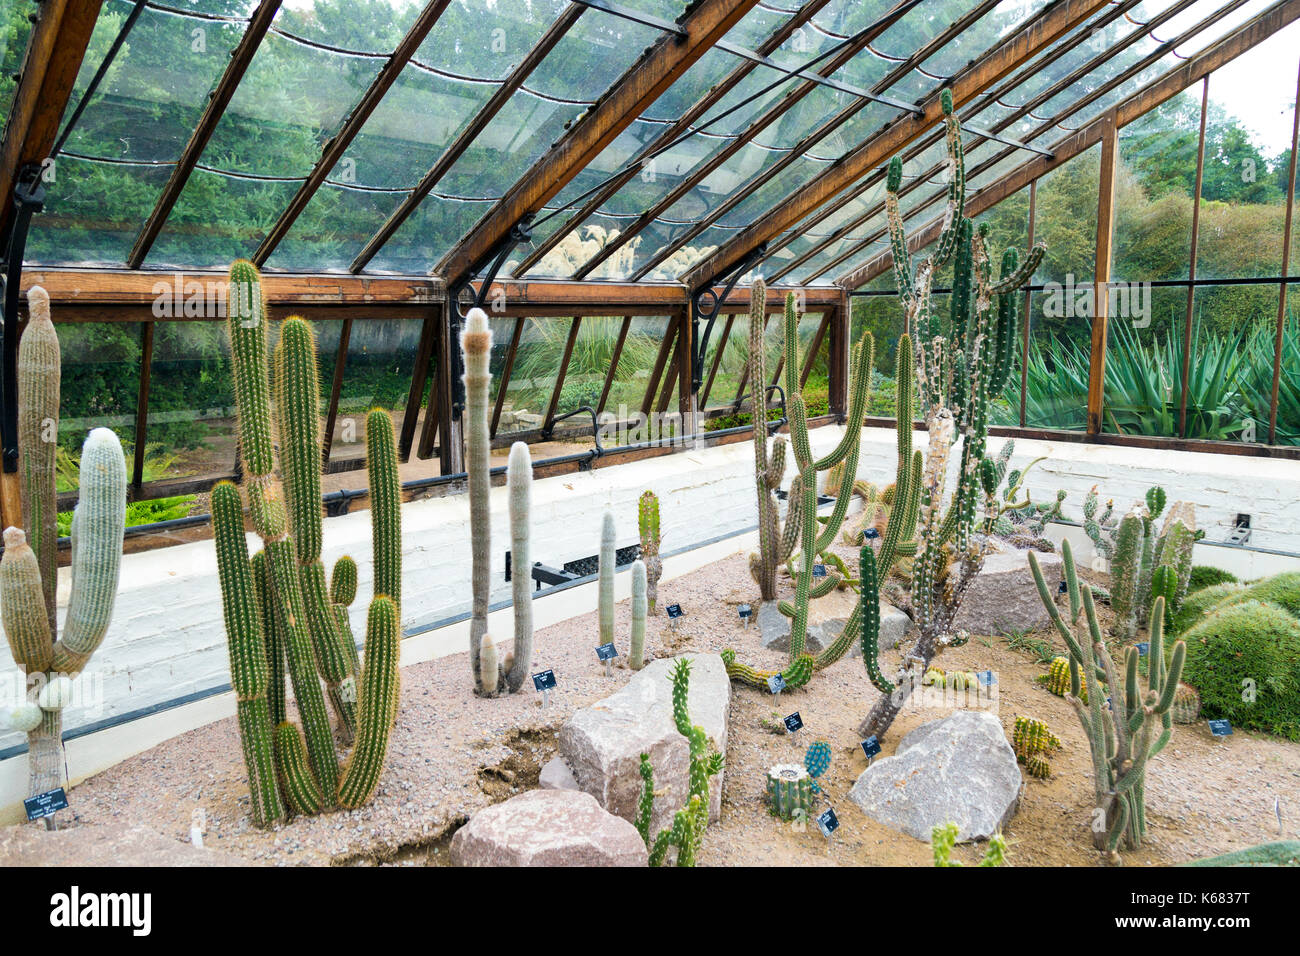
959,769
547,828
1003,597
894,626
602,744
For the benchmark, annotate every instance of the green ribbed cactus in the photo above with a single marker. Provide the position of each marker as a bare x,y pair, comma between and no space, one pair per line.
605,583
690,822
280,614
28,570
962,365
1126,574
648,525
1164,584
640,604
502,674
1126,723
791,793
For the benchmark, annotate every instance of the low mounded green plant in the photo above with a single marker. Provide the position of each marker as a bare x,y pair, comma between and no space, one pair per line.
1244,659
1205,575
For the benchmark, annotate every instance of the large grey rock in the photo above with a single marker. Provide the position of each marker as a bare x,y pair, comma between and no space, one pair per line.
1003,597
960,769
547,828
103,845
602,744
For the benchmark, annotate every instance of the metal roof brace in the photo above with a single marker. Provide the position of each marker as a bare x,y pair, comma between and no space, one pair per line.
705,304
29,198
520,232
596,452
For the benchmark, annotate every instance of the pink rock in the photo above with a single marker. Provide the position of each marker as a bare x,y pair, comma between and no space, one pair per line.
548,828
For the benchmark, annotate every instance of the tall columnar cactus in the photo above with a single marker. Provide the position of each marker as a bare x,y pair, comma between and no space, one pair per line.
769,470
519,481
28,575
648,526
476,346
1126,723
640,602
608,559
277,607
962,364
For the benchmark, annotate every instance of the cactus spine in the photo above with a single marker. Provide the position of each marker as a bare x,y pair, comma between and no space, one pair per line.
608,559
961,365
28,576
648,526
277,607
1124,735
640,602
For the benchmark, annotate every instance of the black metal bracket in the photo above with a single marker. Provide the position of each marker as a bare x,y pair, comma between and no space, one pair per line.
29,199
596,452
490,265
771,426
706,304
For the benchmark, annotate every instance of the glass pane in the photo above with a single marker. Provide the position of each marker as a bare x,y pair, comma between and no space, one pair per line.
1056,393
191,397
219,218
1067,220
1154,192
1232,356
1247,156
537,365
381,359
1144,361
13,43
100,388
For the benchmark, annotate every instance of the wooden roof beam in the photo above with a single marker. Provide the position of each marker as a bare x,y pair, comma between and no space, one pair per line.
657,69
1226,49
1036,36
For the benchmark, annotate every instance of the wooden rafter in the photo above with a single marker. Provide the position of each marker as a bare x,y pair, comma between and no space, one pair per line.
1226,49
1094,94
1036,36
338,145
509,86
756,126
55,49
814,136
240,58
661,65
682,125
992,96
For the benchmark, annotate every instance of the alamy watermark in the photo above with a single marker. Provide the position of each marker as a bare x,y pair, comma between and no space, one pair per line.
1072,299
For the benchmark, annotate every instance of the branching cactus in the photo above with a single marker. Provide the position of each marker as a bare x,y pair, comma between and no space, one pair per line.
774,545
962,364
280,616
648,526
1126,723
28,571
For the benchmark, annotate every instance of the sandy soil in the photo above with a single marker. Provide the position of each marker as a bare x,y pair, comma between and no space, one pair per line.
453,753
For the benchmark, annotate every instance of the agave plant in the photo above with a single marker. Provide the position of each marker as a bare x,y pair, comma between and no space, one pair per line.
542,347
1257,382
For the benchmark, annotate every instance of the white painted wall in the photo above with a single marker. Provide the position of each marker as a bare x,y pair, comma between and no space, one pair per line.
167,638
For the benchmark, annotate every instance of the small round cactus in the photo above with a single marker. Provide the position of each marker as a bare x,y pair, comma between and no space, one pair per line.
818,758
1057,679
25,717
1187,705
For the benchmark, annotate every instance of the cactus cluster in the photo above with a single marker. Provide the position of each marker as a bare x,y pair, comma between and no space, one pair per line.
962,365
28,570
647,522
1126,723
1057,679
802,534
817,759
690,822
1033,742
1143,562
1019,520
281,618
494,674
943,837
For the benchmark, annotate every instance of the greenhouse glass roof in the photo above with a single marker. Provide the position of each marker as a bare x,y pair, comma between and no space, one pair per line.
391,137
